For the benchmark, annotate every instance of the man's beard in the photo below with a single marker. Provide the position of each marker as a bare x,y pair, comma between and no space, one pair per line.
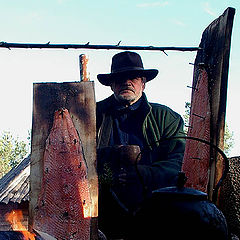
125,99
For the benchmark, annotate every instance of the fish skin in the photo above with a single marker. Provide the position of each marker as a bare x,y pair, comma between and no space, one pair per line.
64,197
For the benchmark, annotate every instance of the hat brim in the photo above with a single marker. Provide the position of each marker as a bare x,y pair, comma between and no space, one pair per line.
106,79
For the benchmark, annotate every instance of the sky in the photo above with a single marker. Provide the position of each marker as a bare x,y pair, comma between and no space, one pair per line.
163,23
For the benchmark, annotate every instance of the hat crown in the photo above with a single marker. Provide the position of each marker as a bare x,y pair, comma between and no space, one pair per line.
126,61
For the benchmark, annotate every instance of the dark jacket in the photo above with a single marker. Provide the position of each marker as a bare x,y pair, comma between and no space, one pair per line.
160,128
163,154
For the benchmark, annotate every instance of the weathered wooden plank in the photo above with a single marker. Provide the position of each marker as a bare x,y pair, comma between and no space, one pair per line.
79,99
214,58
23,191
13,185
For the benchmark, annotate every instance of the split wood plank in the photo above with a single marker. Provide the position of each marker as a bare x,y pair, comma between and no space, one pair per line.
79,99
214,58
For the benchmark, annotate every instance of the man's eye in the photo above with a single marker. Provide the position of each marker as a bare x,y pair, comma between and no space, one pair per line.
135,78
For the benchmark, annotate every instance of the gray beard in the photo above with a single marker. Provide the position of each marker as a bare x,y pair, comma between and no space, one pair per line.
125,99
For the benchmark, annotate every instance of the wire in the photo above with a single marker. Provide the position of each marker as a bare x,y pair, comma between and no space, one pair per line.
226,161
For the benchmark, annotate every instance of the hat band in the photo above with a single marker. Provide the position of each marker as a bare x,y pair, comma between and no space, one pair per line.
126,69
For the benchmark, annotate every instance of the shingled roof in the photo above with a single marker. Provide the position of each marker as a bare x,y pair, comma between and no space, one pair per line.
14,186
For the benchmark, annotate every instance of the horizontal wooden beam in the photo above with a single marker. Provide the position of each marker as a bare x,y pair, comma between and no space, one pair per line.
90,46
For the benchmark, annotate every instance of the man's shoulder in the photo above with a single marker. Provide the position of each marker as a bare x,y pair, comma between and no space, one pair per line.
161,109
104,104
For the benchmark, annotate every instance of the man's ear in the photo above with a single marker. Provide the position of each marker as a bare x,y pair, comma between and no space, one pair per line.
144,83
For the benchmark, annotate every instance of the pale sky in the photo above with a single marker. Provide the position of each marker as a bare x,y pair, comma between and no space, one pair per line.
141,23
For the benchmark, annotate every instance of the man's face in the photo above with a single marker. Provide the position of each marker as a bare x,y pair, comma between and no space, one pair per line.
128,89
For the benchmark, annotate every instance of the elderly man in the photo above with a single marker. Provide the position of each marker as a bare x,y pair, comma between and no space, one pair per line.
127,119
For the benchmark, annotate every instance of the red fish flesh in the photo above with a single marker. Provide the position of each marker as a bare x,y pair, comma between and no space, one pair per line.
197,154
63,209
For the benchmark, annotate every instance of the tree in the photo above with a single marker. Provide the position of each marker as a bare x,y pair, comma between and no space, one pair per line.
186,116
228,135
228,140
12,152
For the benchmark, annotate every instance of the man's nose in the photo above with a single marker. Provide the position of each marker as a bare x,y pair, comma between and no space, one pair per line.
126,82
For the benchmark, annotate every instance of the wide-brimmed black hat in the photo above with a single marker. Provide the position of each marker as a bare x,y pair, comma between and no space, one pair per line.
125,63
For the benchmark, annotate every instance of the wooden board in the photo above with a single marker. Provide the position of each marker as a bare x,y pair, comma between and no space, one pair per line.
79,99
214,59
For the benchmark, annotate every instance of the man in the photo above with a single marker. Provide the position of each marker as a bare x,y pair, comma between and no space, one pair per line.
127,118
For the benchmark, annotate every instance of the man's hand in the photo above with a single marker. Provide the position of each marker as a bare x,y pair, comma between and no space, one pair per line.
128,175
122,177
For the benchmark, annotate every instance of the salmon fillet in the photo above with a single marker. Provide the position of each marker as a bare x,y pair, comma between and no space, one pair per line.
63,209
197,154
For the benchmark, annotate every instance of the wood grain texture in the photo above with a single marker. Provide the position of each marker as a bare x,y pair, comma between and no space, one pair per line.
79,99
214,58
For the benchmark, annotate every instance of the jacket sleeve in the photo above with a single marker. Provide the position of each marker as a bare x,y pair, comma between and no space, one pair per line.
165,159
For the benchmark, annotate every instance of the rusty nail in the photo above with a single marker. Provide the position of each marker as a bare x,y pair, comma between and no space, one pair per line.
196,158
198,116
195,89
201,65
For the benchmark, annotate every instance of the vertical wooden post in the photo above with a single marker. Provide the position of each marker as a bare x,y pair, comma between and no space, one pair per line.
214,58
79,99
83,60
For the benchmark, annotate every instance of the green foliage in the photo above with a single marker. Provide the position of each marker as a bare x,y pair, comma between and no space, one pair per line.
106,177
187,115
228,140
12,151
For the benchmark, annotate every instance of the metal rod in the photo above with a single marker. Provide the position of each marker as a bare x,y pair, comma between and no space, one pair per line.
89,46
226,161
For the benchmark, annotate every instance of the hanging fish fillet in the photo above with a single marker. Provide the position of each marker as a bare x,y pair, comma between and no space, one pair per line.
63,209
197,155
